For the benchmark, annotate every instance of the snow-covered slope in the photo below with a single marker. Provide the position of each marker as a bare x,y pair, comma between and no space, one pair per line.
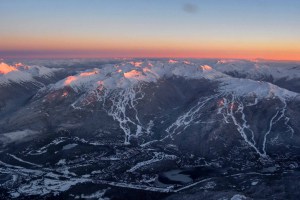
19,82
131,74
16,136
119,88
20,73
258,89
128,74
257,69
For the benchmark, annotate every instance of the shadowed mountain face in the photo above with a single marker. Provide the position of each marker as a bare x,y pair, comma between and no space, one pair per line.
151,129
19,83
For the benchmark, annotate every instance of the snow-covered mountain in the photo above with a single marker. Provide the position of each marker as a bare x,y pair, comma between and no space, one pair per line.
283,74
19,82
20,73
260,69
131,74
152,126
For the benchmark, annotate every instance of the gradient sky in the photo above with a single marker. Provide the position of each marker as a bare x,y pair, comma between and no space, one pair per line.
268,29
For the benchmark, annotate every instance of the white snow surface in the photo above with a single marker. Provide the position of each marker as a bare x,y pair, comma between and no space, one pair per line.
247,87
17,136
238,197
260,69
20,73
130,74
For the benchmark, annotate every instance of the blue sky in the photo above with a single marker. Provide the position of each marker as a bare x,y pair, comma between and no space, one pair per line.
102,24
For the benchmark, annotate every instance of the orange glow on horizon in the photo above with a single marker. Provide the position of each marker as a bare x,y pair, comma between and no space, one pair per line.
273,54
279,56
104,47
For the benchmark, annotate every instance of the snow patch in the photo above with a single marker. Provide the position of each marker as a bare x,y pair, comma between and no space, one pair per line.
238,197
17,136
69,146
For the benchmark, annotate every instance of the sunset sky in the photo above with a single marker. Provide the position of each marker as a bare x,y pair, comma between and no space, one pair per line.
268,29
